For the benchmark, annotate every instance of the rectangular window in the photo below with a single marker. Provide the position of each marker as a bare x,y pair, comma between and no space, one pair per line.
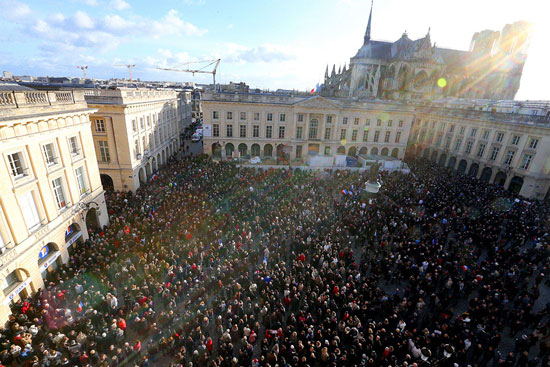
104,151
469,147
400,123
448,143
327,150
256,131
368,122
73,145
526,161
300,117
30,212
329,119
99,126
81,179
215,130
365,135
533,143
390,123
342,134
215,115
140,123
256,116
59,195
387,137
282,117
433,124
281,132
345,121
458,144
480,150
229,131
229,115
515,140
397,136
494,153
136,148
242,131
243,116
438,141
268,131
354,135
299,151
356,121
452,128
49,154
269,116
299,132
486,134
327,133
134,125
462,128
473,132
500,136
378,122
376,136
148,121
509,157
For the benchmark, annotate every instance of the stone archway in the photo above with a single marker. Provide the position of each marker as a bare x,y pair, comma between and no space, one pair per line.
107,182
142,177
92,220
374,151
268,150
384,152
462,166
486,174
243,150
500,178
474,168
148,172
49,258
229,148
163,157
516,184
341,150
363,150
442,159
280,151
216,151
15,284
352,152
434,156
154,164
395,152
255,150
452,163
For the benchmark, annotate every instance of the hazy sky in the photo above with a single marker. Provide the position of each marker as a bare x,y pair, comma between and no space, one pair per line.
266,43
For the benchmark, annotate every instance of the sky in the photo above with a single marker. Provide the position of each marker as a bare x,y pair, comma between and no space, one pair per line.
268,44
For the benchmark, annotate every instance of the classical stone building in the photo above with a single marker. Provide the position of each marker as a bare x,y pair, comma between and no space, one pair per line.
262,124
50,189
417,69
135,132
504,142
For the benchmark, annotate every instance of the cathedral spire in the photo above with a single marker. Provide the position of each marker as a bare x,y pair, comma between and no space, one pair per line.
326,72
333,70
367,33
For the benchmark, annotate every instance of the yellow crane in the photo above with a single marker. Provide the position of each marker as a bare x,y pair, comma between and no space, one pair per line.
201,70
129,66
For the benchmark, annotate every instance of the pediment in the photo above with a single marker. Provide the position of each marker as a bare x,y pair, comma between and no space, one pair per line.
318,102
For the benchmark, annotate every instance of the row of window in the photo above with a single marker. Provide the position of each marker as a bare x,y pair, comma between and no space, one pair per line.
19,169
300,118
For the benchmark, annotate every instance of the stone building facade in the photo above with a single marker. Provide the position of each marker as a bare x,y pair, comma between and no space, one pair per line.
417,69
505,142
50,189
261,124
135,132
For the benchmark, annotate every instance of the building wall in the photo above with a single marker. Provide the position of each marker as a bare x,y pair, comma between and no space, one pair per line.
29,123
126,116
298,114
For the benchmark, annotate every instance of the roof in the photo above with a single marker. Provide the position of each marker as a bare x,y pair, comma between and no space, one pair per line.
374,50
13,87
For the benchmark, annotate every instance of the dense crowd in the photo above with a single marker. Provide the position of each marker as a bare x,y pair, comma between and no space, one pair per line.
214,265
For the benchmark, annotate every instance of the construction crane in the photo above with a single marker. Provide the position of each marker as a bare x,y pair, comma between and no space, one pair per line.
83,68
129,66
187,69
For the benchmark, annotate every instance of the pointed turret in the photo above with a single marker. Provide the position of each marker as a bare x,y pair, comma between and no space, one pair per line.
326,73
367,33
344,69
333,70
339,69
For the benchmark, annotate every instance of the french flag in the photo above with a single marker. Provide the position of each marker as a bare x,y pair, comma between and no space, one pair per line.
80,306
465,267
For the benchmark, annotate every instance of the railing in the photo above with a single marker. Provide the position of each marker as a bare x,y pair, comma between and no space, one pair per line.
6,98
64,96
36,98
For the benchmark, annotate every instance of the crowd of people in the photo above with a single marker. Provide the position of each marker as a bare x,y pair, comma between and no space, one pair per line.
213,265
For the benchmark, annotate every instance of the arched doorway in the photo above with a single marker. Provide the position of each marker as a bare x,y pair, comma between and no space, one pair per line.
395,152
148,169
280,150
434,156
142,177
49,259
243,150
268,150
163,157
92,221
363,150
73,235
15,285
159,162
217,150
341,150
500,178
107,182
516,184
374,151
452,163
384,152
462,166
442,159
486,174
352,152
474,168
154,164
255,150
229,148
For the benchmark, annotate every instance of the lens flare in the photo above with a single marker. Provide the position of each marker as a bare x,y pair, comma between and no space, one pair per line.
442,82
343,141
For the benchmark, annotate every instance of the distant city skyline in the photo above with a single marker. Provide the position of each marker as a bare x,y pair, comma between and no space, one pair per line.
284,46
